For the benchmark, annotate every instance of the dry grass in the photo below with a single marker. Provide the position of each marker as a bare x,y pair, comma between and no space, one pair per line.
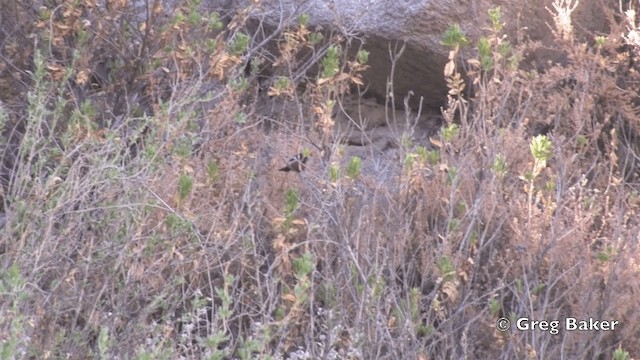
143,218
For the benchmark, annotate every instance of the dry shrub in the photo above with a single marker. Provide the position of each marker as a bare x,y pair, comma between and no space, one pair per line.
143,218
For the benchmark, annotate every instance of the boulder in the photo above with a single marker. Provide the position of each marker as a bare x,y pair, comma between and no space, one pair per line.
384,26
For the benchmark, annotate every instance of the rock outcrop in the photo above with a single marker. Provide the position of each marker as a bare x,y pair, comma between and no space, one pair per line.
384,26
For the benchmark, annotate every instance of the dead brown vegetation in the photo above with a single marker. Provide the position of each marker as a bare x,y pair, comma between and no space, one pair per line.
143,217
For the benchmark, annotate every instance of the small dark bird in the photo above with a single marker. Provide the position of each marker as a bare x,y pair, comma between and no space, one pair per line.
296,163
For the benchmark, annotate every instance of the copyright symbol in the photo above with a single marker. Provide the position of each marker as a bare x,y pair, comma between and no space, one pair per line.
503,324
